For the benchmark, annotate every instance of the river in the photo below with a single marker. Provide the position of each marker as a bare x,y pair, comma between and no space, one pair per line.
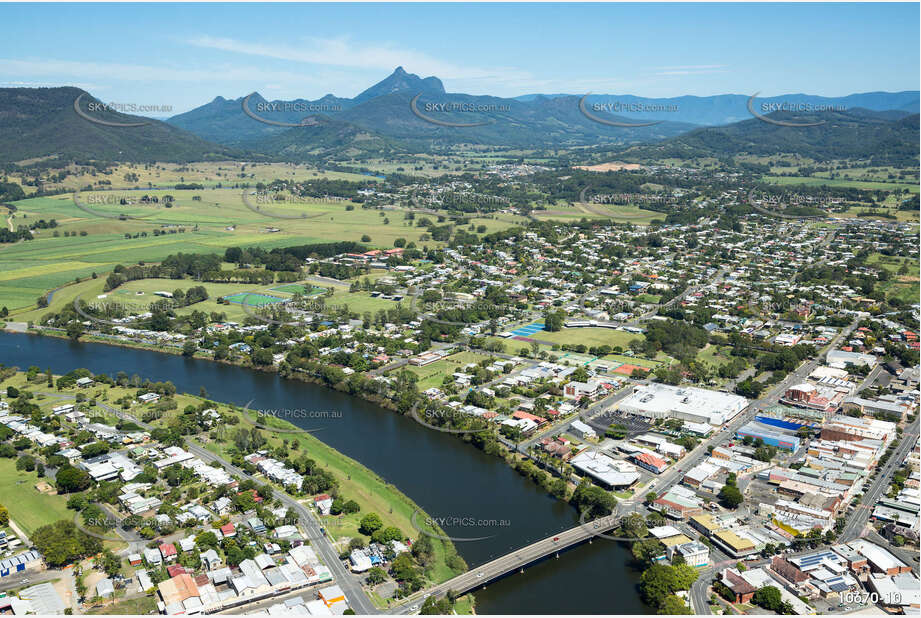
444,476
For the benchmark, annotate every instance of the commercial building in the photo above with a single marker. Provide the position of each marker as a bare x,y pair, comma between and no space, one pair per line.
608,472
770,438
694,405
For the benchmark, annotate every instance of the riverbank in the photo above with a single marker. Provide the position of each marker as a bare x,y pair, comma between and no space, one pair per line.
106,404
516,461
440,473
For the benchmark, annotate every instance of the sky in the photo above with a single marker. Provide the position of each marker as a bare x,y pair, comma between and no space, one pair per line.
184,55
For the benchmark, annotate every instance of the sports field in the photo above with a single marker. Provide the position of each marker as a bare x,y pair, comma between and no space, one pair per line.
530,329
253,299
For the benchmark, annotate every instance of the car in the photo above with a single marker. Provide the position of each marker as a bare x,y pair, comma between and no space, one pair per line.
555,539
480,574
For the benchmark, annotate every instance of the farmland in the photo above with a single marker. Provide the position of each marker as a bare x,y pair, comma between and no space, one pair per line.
93,240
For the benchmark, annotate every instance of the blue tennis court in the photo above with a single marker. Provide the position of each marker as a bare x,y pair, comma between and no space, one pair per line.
530,329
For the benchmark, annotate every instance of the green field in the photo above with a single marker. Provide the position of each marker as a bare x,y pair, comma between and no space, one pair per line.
218,219
29,508
588,336
838,182
433,374
295,288
252,299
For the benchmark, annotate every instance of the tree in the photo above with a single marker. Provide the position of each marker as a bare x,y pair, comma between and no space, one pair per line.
370,523
109,562
4,516
657,582
376,576
62,542
673,604
769,598
70,479
730,496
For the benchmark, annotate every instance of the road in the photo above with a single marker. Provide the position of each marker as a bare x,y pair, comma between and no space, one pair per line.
512,561
674,474
357,599
857,520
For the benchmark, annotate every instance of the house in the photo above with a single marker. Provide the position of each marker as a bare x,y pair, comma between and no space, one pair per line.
148,398
223,505
210,559
105,588
168,552
228,530
578,390
324,503
153,557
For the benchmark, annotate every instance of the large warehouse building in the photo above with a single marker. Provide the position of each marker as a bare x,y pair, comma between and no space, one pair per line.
694,405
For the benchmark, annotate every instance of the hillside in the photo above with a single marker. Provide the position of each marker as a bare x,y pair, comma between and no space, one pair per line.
38,122
888,138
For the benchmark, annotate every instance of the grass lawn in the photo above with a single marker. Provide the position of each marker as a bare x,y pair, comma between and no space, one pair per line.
131,607
432,374
589,336
29,508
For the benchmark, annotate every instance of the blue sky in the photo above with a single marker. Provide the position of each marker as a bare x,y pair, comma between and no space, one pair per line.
185,55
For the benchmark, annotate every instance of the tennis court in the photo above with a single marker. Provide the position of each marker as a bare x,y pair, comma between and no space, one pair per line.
530,329
295,288
253,299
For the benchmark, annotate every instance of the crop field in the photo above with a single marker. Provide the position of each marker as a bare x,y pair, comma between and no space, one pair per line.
838,182
92,239
208,174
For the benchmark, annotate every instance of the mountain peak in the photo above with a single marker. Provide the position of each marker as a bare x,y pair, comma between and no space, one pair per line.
399,81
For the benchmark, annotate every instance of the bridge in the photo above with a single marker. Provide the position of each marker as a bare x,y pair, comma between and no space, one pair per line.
517,560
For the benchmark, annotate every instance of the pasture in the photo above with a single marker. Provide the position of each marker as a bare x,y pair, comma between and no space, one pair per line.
91,238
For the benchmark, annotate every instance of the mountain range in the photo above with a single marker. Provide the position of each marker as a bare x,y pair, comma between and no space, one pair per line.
405,113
